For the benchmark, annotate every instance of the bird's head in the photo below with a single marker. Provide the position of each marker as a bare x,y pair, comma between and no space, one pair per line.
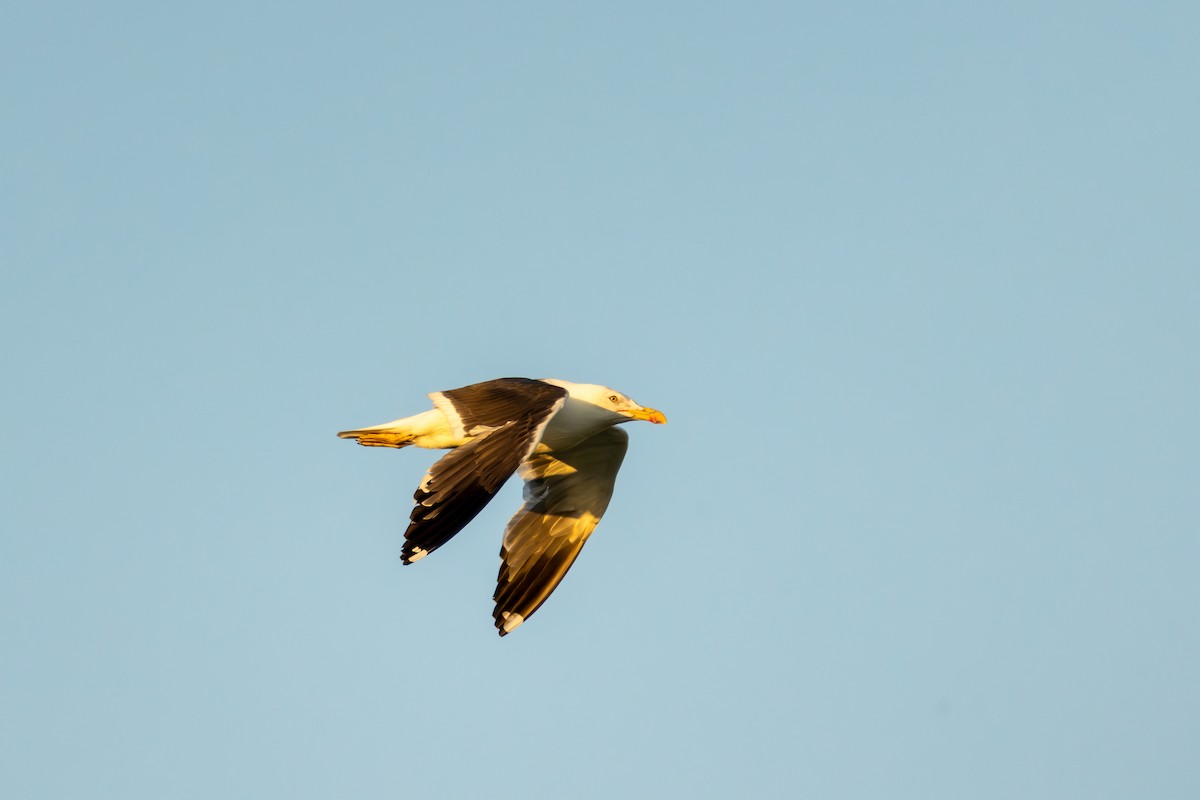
611,401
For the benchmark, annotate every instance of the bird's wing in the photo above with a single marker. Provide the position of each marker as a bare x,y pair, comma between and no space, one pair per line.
566,493
507,418
481,406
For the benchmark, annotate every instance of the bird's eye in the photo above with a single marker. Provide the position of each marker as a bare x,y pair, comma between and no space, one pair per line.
612,398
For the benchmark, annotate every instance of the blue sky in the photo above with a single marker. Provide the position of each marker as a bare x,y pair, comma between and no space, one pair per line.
916,286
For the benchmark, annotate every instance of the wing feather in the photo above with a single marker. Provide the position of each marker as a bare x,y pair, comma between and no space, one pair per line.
566,494
461,483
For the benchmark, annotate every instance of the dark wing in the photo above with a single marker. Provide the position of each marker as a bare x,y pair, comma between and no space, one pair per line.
566,493
493,403
461,483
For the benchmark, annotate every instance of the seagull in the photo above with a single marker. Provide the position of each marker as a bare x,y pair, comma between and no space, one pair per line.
559,436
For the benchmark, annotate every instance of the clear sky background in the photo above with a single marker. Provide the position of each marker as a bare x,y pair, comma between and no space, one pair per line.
916,284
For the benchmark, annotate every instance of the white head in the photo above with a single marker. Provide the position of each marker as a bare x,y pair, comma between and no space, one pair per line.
609,400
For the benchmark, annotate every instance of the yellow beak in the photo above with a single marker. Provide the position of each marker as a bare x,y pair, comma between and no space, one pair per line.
648,414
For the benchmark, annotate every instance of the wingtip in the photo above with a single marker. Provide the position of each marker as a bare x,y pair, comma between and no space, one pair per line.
417,554
508,622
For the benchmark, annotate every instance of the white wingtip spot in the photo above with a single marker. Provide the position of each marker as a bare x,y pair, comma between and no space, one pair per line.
417,554
511,621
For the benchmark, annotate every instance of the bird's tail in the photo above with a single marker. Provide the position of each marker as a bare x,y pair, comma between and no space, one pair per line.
375,437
